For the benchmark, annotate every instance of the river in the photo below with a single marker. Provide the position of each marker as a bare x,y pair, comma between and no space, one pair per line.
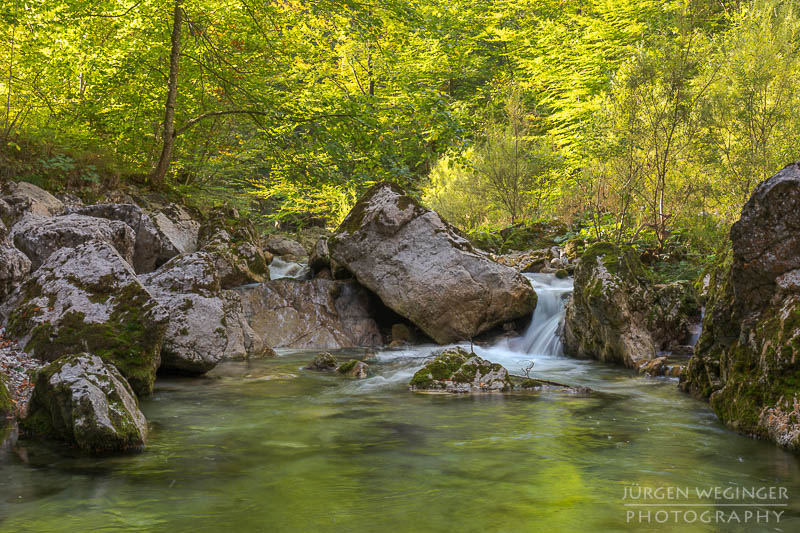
266,446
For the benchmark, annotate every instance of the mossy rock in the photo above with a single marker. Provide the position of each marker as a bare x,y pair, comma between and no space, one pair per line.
6,403
89,299
80,400
456,370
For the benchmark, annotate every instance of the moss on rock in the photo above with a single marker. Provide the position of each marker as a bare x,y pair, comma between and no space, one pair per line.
456,370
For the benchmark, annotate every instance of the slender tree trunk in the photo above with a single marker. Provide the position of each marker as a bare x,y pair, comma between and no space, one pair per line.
7,125
158,177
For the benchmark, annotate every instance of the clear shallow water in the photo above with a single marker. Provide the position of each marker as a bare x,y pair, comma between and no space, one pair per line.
266,446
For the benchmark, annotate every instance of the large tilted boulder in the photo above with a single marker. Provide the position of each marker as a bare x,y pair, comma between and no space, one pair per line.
206,324
285,247
147,242
456,370
747,360
424,269
618,314
318,313
26,198
87,298
81,400
38,236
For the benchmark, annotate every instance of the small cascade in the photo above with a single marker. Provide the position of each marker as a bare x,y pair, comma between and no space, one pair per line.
279,268
542,336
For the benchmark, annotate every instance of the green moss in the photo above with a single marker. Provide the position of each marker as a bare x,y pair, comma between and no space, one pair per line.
562,273
344,368
6,403
130,339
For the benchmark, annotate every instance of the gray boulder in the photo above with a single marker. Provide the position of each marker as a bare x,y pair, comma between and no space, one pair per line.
319,258
86,402
177,230
283,246
147,243
425,270
206,323
318,313
14,266
38,237
26,198
238,263
88,299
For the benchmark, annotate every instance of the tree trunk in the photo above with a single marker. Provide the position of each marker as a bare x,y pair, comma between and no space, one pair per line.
158,177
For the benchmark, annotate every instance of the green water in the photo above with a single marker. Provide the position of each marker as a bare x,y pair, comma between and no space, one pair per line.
267,447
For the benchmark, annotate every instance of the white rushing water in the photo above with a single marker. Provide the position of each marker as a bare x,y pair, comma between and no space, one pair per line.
279,268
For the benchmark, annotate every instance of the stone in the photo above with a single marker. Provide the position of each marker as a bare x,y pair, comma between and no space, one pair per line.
14,266
26,198
6,403
353,369
237,263
456,370
285,247
323,362
424,269
402,333
319,258
178,232
86,402
147,243
88,299
317,313
747,360
38,237
618,314
206,324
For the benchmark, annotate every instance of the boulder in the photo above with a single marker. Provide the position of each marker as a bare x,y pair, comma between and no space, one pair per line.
238,263
402,333
285,247
206,324
38,237
177,230
14,266
424,269
353,369
319,258
87,298
318,313
618,314
747,360
323,362
81,400
456,370
147,243
26,198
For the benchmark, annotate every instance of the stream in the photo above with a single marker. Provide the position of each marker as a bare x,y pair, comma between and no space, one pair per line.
262,445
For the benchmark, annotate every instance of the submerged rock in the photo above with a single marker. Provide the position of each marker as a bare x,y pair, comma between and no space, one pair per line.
83,401
318,313
206,324
747,360
323,362
424,269
39,237
88,299
617,314
456,370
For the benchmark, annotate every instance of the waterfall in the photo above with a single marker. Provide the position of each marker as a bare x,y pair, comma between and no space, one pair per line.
542,336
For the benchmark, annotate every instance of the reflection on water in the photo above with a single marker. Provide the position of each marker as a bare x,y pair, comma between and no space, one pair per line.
266,446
